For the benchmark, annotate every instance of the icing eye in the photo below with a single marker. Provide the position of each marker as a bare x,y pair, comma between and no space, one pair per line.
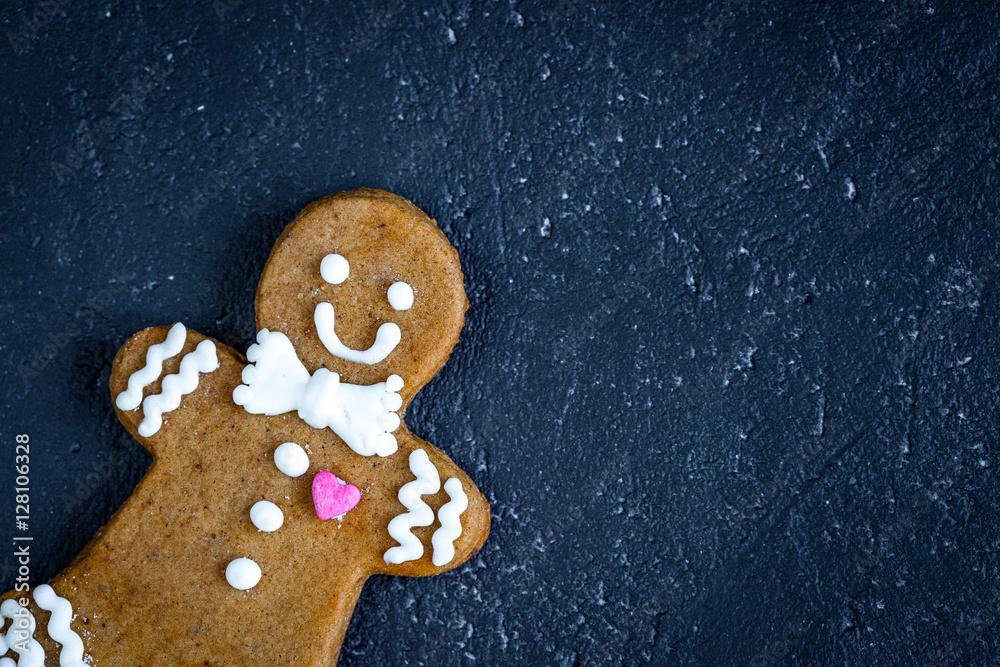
334,269
400,296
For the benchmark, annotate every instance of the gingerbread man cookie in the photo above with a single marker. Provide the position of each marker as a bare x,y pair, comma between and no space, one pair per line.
281,481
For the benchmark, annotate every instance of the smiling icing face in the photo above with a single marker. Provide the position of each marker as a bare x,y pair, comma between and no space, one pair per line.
341,304
335,269
276,381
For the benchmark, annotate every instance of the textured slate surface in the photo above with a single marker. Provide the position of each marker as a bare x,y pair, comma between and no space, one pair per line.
729,376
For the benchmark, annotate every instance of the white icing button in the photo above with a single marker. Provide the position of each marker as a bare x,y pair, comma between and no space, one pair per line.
334,269
243,574
400,296
266,516
291,459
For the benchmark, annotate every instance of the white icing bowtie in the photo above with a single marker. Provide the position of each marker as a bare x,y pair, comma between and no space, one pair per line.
276,382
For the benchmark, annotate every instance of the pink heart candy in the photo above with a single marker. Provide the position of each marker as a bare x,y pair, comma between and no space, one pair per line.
333,497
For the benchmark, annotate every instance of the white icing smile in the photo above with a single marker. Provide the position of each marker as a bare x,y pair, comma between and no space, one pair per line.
386,338
334,269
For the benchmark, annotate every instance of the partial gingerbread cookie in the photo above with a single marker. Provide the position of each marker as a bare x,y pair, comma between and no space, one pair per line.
283,480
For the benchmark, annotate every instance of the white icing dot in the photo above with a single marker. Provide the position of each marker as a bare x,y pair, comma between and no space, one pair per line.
243,574
291,459
400,296
334,269
266,516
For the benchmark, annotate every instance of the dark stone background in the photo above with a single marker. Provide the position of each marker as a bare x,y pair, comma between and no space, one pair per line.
727,376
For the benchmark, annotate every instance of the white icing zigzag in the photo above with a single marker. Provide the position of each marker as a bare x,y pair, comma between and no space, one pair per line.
204,359
21,637
131,398
451,523
276,382
386,338
419,514
61,614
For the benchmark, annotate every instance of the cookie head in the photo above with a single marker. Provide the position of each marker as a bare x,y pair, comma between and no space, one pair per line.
365,285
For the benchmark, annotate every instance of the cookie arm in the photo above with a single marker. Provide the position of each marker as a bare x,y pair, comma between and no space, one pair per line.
171,388
473,520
